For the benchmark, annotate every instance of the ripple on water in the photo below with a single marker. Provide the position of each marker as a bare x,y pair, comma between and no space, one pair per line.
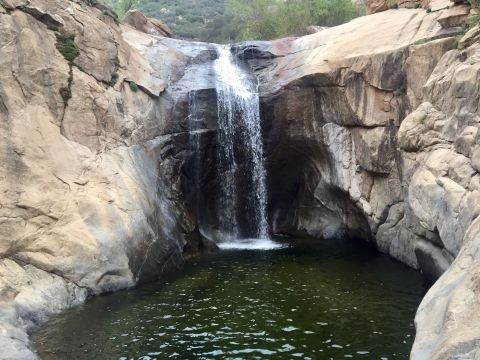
251,244
306,301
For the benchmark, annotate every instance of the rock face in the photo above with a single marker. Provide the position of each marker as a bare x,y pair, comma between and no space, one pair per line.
372,130
92,144
374,6
148,25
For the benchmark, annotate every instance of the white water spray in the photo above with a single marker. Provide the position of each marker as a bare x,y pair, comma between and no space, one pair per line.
240,131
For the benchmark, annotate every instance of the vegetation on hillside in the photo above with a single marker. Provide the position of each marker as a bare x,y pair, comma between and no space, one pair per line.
122,6
268,19
236,20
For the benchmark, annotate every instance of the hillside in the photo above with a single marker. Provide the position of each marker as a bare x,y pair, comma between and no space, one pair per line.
204,20
224,21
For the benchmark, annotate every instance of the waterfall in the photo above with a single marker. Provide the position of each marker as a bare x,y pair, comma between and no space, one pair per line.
240,153
195,123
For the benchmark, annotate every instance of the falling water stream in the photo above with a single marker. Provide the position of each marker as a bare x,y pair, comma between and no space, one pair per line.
240,137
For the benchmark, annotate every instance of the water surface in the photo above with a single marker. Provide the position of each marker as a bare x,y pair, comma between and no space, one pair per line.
311,300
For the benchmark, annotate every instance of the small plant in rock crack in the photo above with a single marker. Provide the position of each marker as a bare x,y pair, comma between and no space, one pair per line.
133,86
420,42
114,79
456,42
66,94
66,46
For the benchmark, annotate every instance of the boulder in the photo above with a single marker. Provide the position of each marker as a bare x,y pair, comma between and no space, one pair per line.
471,37
374,6
150,26
456,16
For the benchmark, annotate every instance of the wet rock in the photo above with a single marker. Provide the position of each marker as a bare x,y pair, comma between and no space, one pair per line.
433,262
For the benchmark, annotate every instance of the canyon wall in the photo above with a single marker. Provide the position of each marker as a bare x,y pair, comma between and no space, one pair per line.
370,129
92,145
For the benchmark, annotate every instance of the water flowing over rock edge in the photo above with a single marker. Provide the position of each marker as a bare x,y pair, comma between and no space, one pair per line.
105,156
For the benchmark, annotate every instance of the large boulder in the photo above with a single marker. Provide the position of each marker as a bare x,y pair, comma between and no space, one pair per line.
374,6
148,25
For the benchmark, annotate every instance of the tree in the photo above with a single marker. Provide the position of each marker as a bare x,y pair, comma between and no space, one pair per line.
122,6
255,18
267,19
235,20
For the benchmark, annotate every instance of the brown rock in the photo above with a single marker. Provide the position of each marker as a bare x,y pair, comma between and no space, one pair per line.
455,16
470,38
374,6
148,25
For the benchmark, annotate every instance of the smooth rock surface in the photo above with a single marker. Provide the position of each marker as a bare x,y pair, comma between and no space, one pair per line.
381,114
90,197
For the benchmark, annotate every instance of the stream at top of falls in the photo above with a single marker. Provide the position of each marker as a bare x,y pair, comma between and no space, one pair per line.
240,136
308,300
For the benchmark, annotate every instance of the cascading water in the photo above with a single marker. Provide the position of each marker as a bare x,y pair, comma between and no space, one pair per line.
194,139
240,137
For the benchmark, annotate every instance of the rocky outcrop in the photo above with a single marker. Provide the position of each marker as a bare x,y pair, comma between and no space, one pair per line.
92,148
148,25
374,6
372,130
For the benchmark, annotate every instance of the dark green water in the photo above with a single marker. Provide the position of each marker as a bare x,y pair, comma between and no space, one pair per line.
312,300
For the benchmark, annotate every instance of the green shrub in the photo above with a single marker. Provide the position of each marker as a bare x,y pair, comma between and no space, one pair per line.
236,20
111,13
269,19
428,9
114,79
473,21
420,42
475,3
66,46
133,86
399,92
456,42
417,5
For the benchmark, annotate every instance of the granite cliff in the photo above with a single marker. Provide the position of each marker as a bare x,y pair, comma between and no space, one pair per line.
370,129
